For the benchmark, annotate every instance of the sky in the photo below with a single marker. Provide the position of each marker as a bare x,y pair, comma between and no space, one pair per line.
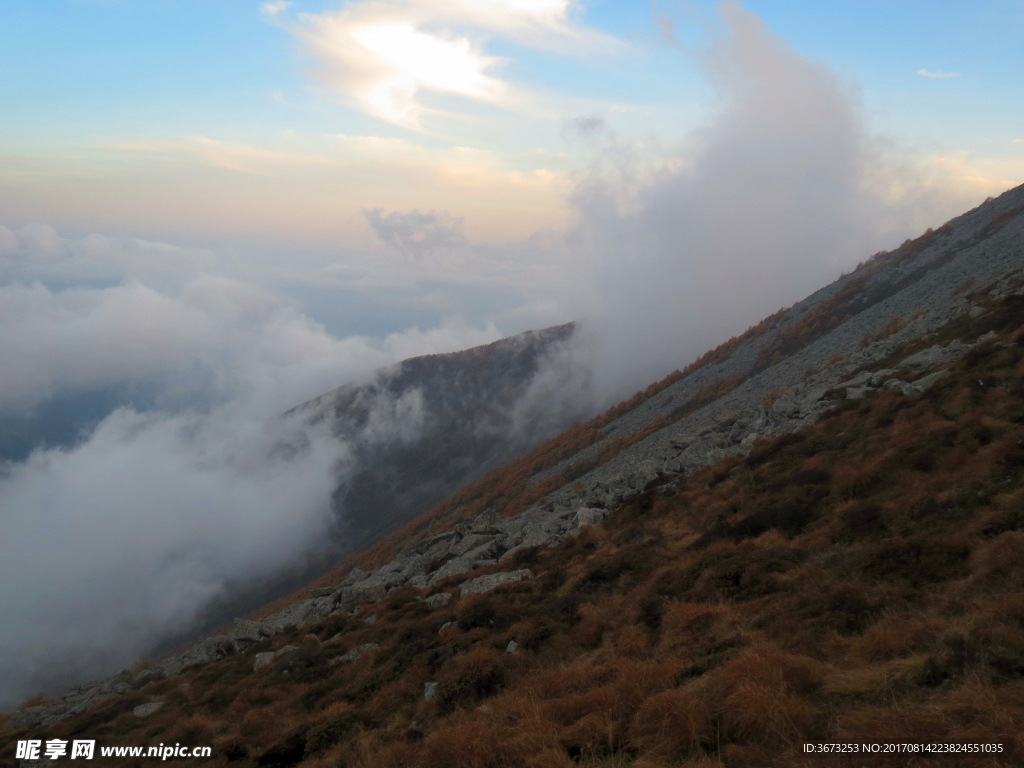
211,212
265,130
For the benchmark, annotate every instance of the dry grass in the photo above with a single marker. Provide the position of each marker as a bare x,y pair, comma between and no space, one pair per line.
862,580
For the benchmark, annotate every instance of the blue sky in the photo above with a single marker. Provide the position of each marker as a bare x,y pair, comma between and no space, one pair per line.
250,128
81,70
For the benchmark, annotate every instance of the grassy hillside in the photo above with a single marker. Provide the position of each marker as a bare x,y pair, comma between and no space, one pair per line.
862,580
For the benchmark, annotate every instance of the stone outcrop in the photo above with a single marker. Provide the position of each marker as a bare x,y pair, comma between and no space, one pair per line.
483,584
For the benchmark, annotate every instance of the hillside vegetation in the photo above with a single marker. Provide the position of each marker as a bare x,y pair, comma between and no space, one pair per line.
860,580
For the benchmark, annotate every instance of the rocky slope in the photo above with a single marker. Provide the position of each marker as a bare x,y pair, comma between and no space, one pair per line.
894,328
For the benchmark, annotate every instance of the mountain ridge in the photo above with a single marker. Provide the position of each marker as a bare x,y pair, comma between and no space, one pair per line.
891,329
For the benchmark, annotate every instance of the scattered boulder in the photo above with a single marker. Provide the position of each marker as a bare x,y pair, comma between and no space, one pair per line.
429,691
455,567
859,380
440,600
145,710
588,516
491,581
262,659
926,382
203,652
355,653
368,591
933,356
354,577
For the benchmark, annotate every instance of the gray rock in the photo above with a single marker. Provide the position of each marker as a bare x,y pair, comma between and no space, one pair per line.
588,516
900,386
925,382
446,625
371,620
785,406
299,614
857,393
491,581
440,600
429,691
355,653
145,710
203,652
437,543
879,377
470,542
933,356
354,577
512,646
455,567
419,582
413,566
485,522
857,381
262,659
489,550
367,591
322,591
245,632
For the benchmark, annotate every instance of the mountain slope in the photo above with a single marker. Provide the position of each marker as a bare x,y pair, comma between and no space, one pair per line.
813,533
428,425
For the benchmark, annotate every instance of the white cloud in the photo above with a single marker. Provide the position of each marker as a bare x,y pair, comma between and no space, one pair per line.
272,9
937,74
416,232
778,193
384,54
8,241
109,546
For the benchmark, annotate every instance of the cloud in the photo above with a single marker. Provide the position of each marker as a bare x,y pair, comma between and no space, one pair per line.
8,241
779,192
415,232
583,127
937,74
113,544
112,547
272,9
384,55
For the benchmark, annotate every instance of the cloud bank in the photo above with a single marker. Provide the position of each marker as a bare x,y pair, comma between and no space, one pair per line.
111,545
782,190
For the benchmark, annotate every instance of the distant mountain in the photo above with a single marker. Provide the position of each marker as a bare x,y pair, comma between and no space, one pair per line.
417,432
812,534
428,425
